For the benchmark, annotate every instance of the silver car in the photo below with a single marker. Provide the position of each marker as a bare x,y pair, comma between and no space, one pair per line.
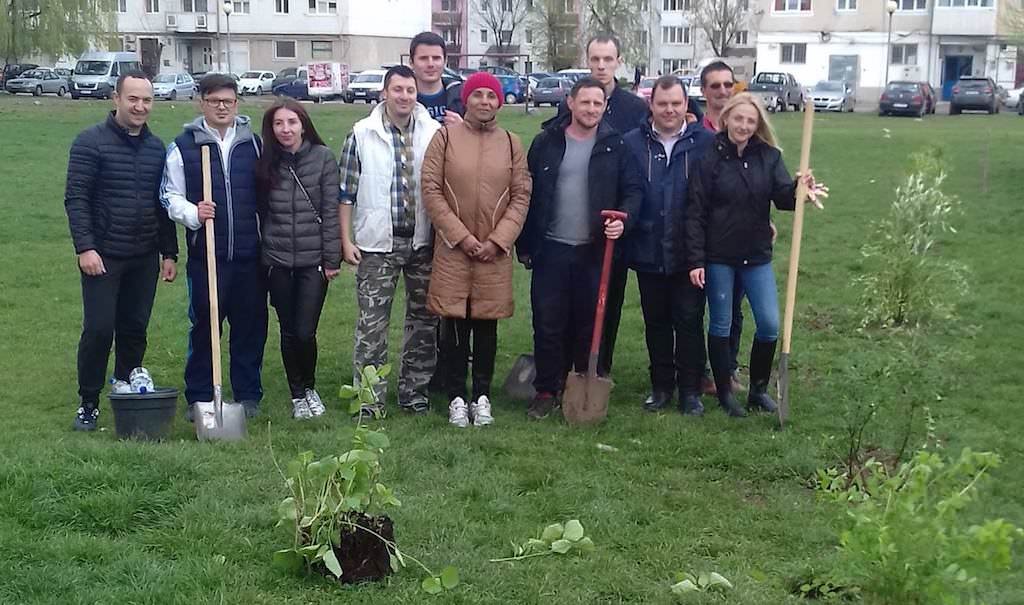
830,95
174,86
41,80
551,90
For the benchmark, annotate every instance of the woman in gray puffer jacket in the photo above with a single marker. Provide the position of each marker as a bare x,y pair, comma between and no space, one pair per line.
297,177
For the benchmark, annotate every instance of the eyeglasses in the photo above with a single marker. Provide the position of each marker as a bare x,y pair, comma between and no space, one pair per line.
224,103
717,85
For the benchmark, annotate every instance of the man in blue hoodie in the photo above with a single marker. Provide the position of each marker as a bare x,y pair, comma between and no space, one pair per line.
241,283
667,149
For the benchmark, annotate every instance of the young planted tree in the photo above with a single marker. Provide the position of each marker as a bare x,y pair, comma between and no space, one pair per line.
719,21
53,27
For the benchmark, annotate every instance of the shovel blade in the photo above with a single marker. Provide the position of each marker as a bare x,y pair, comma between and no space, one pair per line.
231,426
783,375
585,400
519,383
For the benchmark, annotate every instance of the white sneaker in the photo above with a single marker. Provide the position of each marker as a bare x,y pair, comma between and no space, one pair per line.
480,410
119,386
316,405
458,413
300,409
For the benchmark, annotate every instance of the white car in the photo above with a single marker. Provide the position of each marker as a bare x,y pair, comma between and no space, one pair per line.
256,82
1012,98
366,86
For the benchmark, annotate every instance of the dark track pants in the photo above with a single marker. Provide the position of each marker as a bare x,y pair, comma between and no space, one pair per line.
298,296
673,311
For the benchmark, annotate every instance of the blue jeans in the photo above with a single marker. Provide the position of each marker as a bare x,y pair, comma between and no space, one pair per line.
758,281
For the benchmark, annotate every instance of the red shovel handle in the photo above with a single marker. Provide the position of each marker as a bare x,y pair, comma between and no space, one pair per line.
602,292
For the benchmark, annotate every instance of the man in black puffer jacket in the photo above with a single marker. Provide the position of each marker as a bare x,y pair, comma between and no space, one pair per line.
118,228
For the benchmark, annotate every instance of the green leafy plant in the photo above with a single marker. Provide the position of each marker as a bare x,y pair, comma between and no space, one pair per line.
908,540
341,494
907,282
687,584
556,539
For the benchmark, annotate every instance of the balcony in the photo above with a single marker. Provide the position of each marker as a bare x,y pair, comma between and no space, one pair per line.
969,21
446,18
453,48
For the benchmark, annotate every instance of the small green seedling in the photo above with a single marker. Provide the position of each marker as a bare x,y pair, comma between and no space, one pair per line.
556,539
687,583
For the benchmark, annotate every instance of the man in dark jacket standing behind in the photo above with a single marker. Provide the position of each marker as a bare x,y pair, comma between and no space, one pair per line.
119,229
580,167
667,150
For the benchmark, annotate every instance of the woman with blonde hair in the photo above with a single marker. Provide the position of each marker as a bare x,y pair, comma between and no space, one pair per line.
729,239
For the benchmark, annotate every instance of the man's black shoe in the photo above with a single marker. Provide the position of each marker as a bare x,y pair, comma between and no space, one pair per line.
541,406
690,405
86,417
657,401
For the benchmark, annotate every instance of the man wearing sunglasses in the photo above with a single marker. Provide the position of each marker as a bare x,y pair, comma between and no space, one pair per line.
241,282
716,83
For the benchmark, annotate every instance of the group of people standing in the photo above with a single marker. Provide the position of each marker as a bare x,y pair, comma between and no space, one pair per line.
428,187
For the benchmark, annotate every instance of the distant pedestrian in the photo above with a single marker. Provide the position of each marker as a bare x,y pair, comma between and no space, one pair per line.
729,239
298,194
386,233
476,188
119,231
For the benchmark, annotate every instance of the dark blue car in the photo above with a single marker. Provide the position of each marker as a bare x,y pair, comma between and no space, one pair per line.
296,89
511,88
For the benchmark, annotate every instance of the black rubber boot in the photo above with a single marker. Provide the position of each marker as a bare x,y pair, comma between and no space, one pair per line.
721,367
762,356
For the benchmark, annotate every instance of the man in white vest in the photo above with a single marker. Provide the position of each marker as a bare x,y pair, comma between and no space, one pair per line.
385,232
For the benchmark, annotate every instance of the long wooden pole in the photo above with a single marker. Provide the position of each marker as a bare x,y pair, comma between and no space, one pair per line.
211,271
794,265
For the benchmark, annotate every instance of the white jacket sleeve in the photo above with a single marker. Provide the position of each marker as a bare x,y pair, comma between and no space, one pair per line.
172,191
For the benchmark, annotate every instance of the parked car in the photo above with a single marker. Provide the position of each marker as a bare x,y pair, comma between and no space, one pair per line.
256,82
551,90
65,73
646,86
38,81
499,70
1012,99
96,73
574,75
14,70
512,88
449,76
367,86
906,98
779,91
831,95
974,93
284,76
296,87
465,72
174,86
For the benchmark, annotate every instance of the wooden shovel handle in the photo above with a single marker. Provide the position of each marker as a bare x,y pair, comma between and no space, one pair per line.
798,229
211,271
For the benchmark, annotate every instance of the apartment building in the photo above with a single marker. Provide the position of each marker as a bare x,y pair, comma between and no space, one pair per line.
192,35
936,41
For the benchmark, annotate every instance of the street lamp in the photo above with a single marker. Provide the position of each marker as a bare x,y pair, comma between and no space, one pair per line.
890,7
228,8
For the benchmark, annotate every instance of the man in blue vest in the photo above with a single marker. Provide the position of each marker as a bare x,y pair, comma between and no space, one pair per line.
241,284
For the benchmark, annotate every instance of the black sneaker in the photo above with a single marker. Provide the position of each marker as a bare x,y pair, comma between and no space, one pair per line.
86,417
251,407
541,406
370,412
190,412
416,409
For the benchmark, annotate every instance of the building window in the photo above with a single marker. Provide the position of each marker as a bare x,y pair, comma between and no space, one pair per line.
322,49
785,6
904,54
447,6
528,35
911,5
483,36
670,65
741,38
641,37
506,6
122,6
323,7
675,35
242,7
448,34
284,50
963,3
193,6
794,53
281,7
675,5
506,36
570,6
846,5
152,6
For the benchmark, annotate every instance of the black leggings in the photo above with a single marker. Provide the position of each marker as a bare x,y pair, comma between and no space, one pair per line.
298,295
455,341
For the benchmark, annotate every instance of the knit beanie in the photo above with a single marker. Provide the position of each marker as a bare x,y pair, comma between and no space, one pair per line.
481,79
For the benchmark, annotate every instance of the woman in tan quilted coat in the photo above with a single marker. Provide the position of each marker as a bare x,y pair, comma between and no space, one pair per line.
476,189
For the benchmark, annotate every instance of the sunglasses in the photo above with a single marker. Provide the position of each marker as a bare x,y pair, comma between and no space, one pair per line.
717,85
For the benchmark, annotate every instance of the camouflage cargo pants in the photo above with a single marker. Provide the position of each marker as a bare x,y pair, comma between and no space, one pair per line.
376,279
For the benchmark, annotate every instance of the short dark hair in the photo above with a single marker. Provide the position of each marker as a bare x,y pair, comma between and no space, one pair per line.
604,38
134,73
402,71
582,83
427,39
714,66
666,83
211,83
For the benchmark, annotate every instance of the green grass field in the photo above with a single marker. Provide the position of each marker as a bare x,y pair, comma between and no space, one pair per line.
85,518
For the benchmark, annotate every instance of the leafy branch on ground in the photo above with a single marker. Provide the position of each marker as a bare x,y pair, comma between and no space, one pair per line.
556,539
340,494
908,540
706,581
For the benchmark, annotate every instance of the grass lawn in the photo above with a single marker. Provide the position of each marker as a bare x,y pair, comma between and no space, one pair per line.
85,518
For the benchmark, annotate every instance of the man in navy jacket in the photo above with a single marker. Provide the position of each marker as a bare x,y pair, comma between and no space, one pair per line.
666,149
118,229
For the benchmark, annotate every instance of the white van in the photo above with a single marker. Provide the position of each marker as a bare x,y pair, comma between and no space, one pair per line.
96,73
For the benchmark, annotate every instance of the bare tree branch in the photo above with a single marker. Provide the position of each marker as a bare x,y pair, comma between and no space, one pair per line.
501,16
719,21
